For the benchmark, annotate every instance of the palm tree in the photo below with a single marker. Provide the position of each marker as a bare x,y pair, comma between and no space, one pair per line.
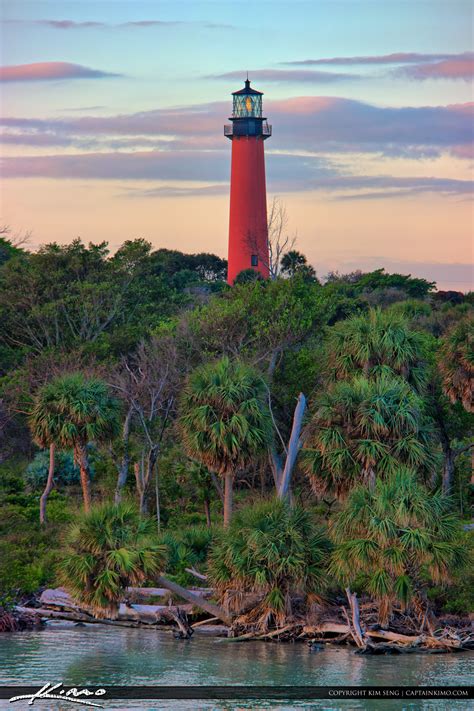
456,363
111,548
224,422
108,549
394,539
274,551
71,411
365,428
374,342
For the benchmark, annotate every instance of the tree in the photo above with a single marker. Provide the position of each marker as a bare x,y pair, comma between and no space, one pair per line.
279,241
107,550
71,411
456,363
376,341
149,383
111,548
247,276
294,263
224,422
392,540
364,429
274,551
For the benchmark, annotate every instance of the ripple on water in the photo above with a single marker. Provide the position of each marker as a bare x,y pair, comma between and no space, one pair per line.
93,655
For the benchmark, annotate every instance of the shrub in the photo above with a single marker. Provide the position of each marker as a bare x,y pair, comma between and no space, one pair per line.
274,551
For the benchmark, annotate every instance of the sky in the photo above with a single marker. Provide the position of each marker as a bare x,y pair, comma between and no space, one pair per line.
112,117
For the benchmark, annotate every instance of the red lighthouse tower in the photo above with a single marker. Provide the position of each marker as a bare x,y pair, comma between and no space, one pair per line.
248,231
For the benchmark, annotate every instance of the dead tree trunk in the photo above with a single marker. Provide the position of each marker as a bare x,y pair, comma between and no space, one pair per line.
355,627
125,461
49,483
194,599
294,447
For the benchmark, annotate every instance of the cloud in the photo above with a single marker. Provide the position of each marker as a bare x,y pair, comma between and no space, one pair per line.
90,24
178,191
287,173
446,69
187,145
387,186
307,124
296,76
394,58
46,71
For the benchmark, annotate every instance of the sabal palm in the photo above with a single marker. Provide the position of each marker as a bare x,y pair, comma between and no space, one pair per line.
71,411
225,422
107,550
392,540
376,341
272,550
365,428
456,363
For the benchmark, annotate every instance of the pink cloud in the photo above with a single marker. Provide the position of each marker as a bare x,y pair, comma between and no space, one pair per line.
394,58
446,69
317,124
45,71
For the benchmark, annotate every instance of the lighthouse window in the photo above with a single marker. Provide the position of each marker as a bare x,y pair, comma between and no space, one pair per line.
254,260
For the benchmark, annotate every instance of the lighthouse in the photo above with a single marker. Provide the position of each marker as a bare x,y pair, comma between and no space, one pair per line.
248,230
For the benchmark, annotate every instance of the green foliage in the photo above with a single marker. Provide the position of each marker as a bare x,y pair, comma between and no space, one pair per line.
458,597
78,309
65,471
366,428
272,550
225,423
415,287
8,249
456,363
260,318
107,550
187,548
72,410
293,263
247,276
393,539
375,342
28,552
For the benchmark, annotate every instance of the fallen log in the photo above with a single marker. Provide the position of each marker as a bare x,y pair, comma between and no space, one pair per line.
196,573
76,617
393,636
201,623
275,633
355,628
197,600
326,628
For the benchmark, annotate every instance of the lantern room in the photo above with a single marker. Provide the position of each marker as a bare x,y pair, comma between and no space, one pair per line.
247,119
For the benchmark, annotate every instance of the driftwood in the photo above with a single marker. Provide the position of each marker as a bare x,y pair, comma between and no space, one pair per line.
59,598
73,616
196,573
181,619
201,623
197,600
354,628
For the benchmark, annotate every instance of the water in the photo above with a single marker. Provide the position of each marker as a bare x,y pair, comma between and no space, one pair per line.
98,655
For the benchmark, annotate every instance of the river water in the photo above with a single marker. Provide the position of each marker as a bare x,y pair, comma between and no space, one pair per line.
98,655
